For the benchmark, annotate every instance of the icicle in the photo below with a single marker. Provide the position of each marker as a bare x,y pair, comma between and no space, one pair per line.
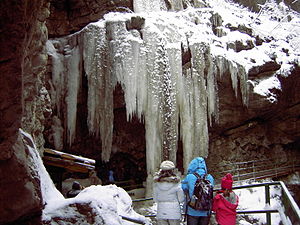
66,77
185,95
73,73
58,79
57,133
124,55
94,57
212,98
243,78
153,119
174,58
200,100
238,75
193,105
100,84
56,92
142,80
169,132
234,76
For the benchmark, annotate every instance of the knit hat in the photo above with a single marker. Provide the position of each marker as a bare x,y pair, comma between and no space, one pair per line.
227,182
76,185
167,165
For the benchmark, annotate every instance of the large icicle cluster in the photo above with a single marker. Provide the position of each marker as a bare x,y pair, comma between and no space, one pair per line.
148,65
161,90
87,49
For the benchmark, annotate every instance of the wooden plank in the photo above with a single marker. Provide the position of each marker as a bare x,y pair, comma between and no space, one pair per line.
68,164
70,156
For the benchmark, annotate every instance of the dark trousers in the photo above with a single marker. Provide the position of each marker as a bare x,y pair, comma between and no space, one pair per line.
197,220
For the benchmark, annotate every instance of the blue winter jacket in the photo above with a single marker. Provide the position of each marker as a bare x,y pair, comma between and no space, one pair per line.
197,165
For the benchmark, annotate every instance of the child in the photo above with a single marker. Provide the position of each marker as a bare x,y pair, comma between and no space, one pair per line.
226,202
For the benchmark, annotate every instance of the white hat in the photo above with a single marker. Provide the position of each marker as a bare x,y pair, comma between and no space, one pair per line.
167,165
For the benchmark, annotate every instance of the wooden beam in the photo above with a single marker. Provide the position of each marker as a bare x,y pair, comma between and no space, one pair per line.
68,164
68,156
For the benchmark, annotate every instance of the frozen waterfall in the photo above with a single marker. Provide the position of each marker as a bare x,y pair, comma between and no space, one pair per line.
147,62
143,52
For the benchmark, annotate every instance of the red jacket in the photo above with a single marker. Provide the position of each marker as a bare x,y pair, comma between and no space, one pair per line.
225,210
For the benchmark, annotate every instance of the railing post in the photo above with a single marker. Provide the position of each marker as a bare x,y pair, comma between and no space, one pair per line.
291,209
267,193
293,164
276,168
238,172
253,170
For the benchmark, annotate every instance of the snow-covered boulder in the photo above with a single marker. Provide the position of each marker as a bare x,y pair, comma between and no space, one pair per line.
96,204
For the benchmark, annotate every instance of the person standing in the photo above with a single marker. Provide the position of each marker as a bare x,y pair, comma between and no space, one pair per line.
226,202
197,165
111,178
168,194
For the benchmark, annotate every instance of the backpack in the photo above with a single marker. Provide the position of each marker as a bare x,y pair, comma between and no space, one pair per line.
203,194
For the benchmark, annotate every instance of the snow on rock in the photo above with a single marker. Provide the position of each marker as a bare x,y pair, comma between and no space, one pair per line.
94,205
49,192
263,87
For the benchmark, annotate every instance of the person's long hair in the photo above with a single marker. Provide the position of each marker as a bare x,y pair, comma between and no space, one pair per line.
166,175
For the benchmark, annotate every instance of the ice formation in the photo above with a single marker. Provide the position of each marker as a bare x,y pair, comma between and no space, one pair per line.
146,59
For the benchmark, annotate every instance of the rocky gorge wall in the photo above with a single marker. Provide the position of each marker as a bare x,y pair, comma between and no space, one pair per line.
23,104
268,132
260,131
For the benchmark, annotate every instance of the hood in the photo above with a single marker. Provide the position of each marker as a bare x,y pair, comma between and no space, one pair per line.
197,165
171,179
165,186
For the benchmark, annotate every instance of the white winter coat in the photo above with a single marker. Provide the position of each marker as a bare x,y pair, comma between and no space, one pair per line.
168,195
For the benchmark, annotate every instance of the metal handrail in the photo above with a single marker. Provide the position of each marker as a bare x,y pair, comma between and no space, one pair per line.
291,209
257,166
267,170
260,165
239,212
132,220
142,199
260,171
253,161
258,174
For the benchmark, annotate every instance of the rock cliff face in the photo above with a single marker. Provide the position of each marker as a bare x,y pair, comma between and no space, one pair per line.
261,130
23,103
69,16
